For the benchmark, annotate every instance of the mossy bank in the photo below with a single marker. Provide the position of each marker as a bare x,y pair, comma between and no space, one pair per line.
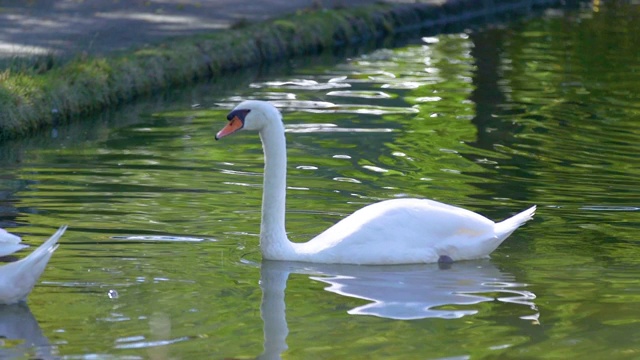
49,91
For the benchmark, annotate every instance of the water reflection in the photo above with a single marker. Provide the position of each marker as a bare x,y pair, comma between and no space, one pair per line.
18,323
407,292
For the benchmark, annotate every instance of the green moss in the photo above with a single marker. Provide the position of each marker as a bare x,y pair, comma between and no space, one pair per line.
33,96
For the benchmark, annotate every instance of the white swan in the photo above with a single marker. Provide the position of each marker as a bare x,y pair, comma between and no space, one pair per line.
19,277
398,231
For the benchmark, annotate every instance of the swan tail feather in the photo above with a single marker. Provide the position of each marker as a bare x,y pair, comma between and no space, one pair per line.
506,227
37,260
18,278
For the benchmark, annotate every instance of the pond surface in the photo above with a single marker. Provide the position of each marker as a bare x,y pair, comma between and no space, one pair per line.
161,259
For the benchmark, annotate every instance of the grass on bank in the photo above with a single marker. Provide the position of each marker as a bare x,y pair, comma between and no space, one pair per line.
41,92
44,91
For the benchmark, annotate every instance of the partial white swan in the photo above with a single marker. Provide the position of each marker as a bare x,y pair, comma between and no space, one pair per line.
19,277
398,231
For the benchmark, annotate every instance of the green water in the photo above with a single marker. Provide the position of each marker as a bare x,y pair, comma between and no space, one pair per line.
161,258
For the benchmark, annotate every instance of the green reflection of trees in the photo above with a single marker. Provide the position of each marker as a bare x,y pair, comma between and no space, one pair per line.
570,82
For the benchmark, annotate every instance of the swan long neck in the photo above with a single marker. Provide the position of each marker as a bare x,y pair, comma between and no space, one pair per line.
273,239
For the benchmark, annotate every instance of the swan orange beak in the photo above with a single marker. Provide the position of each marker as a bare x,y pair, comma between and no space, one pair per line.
236,122
234,125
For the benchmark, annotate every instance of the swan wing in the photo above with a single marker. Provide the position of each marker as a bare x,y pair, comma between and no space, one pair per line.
405,231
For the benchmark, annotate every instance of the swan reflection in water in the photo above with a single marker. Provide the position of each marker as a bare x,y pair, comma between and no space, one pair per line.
403,292
18,323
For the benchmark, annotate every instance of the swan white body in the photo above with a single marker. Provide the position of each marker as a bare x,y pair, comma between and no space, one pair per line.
19,277
398,231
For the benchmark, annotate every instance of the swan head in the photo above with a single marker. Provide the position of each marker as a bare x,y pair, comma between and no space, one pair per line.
250,115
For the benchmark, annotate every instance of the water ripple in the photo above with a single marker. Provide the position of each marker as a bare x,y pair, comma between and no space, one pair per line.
149,343
610,208
170,238
360,94
300,84
324,128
